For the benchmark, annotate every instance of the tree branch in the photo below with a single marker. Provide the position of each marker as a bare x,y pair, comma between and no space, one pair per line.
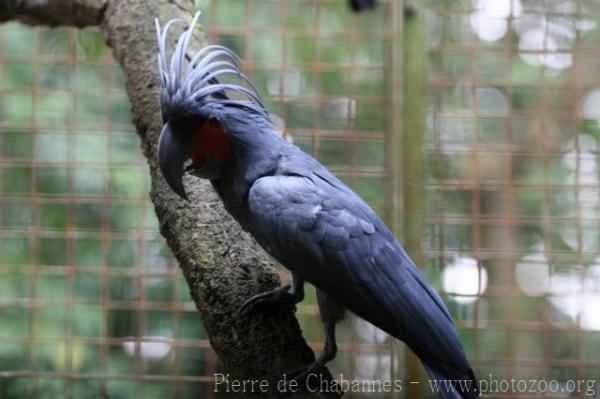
222,265
53,12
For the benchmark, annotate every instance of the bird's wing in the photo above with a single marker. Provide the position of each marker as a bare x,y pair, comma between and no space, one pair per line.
319,228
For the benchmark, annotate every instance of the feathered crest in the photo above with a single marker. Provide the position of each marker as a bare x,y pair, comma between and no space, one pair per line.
195,77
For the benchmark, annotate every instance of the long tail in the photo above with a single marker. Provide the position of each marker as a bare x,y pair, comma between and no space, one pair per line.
452,388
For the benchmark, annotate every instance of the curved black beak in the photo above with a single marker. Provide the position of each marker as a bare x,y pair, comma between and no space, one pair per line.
172,154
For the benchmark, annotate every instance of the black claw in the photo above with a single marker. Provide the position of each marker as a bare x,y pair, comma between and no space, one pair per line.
278,295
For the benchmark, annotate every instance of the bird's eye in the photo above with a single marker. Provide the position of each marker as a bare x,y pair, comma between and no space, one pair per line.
213,121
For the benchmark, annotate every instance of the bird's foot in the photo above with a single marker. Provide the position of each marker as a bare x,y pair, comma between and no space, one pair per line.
278,295
314,377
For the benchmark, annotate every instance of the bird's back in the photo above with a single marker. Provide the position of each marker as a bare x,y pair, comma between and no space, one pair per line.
319,228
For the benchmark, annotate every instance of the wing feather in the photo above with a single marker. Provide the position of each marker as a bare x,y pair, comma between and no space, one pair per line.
320,229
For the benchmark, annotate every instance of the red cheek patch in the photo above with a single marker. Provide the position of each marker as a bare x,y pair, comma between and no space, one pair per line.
210,140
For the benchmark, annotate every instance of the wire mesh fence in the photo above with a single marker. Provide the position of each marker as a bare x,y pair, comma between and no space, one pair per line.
92,302
513,183
88,288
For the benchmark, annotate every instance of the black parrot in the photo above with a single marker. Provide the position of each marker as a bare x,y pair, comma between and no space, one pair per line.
361,5
299,212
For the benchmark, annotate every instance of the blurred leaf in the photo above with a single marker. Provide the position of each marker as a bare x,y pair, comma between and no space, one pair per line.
89,148
16,144
122,254
54,41
88,216
17,39
16,76
123,147
54,109
370,153
191,325
91,44
15,215
158,323
88,320
89,180
123,288
370,52
335,51
51,147
14,251
52,216
159,289
52,181
302,16
52,287
230,12
87,77
267,48
125,217
88,287
371,117
122,323
334,16
18,322
52,251
126,182
91,110
122,389
16,109
120,110
88,253
55,77
75,350
51,322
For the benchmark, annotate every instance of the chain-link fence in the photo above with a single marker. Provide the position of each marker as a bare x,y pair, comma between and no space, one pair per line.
501,202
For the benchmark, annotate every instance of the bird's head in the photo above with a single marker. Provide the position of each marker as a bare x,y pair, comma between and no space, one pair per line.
195,106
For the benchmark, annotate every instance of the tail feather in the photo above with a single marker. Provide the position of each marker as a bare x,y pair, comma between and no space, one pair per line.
452,387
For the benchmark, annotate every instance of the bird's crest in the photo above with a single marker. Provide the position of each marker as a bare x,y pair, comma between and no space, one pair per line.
194,78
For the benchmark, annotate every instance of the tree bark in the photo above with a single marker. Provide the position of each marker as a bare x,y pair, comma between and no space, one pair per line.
222,265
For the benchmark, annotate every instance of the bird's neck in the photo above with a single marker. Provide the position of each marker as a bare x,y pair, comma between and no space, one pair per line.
252,156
